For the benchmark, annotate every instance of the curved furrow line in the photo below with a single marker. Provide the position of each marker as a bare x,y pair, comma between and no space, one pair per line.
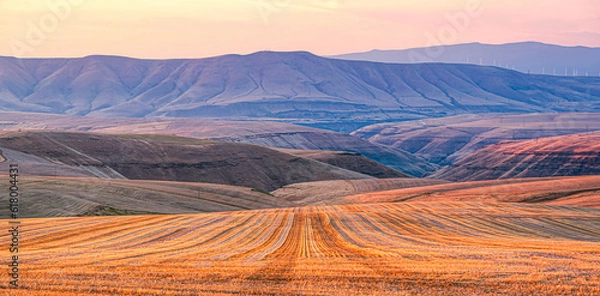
371,234
256,236
230,240
40,229
136,255
511,227
305,238
462,228
279,264
416,229
37,226
334,242
440,227
589,225
407,225
412,228
275,241
291,245
313,240
382,235
60,238
208,244
346,229
342,226
565,226
106,234
388,235
263,238
548,228
318,245
145,236
188,231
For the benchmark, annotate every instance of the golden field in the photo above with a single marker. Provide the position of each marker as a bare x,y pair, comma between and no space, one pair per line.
433,248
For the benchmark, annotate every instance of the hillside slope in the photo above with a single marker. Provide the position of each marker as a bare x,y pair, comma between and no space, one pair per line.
292,86
565,191
445,140
67,196
267,133
159,157
331,192
395,158
349,161
571,155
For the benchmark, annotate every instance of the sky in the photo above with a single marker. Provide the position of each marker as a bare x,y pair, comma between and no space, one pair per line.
203,28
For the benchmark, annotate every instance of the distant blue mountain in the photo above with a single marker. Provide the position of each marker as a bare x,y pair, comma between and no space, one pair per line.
296,87
526,57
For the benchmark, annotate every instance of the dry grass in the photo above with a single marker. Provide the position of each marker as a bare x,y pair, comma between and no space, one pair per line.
567,191
166,158
332,192
69,196
451,248
570,155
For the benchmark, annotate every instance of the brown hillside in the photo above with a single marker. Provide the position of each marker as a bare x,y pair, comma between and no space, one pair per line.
68,196
266,133
169,158
350,161
572,155
446,140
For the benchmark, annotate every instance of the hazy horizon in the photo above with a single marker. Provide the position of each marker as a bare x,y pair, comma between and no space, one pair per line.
188,29
282,51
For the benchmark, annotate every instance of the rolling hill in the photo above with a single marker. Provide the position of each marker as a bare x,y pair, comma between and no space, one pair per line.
571,155
446,140
395,158
380,249
69,196
350,161
526,57
169,158
564,191
331,192
267,133
296,87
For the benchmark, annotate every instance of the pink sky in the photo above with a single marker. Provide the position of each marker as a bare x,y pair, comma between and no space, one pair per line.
201,28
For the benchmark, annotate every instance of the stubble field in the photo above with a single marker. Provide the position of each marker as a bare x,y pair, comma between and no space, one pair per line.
439,248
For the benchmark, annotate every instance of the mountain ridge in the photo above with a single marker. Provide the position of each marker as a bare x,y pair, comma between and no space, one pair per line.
528,56
296,87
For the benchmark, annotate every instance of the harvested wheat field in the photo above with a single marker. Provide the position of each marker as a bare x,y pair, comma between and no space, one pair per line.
377,249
